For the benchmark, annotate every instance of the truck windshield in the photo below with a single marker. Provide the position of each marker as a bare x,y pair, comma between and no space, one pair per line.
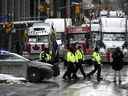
39,39
113,37
77,37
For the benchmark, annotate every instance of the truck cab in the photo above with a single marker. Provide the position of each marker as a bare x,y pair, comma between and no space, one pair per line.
38,37
79,36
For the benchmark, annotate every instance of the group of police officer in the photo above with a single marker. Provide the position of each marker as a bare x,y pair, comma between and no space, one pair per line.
74,59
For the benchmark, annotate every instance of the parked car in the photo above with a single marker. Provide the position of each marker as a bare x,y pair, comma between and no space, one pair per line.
19,66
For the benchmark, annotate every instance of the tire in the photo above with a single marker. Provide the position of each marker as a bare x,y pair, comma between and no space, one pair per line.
33,75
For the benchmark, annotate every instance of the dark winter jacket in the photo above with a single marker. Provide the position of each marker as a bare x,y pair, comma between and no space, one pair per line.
117,56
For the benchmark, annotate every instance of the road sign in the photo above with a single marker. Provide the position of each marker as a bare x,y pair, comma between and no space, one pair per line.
3,18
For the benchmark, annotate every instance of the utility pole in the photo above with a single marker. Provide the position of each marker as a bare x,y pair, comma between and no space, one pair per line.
68,10
51,8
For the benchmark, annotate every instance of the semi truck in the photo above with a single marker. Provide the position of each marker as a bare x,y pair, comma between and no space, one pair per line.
79,36
38,38
112,34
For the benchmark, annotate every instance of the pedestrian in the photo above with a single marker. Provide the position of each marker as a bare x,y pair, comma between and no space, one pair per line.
18,47
124,50
80,57
70,59
117,63
96,61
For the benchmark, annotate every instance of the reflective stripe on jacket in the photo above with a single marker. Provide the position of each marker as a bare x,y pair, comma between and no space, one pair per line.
42,55
45,56
48,57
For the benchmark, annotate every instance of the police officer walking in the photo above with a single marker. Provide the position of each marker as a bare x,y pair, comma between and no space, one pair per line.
96,60
79,54
117,63
70,59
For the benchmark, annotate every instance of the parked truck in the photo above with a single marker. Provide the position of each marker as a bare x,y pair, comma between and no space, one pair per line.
38,38
112,34
79,36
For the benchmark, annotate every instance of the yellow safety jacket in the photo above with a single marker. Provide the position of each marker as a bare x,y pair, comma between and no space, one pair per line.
48,57
79,54
45,56
42,55
70,57
96,56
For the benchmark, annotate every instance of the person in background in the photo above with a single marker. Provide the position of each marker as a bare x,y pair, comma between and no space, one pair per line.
124,50
18,47
109,56
117,63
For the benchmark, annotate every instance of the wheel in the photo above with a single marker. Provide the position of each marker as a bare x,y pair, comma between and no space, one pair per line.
33,75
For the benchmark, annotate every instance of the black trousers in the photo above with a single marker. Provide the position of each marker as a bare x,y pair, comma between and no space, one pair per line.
70,70
80,67
97,67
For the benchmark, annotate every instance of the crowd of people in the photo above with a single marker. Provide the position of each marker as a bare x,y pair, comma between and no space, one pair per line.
75,57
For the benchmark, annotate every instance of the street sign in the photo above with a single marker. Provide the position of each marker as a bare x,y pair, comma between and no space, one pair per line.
3,18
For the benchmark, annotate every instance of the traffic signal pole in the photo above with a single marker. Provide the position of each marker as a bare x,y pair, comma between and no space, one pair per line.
68,8
10,42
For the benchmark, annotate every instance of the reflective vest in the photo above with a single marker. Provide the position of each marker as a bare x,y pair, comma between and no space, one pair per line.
48,57
96,56
79,54
42,56
70,57
45,56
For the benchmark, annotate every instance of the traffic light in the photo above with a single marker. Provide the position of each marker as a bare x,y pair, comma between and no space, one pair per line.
8,26
77,8
43,7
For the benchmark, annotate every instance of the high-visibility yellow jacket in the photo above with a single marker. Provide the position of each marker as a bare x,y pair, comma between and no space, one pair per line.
45,56
48,57
70,57
42,55
79,54
96,56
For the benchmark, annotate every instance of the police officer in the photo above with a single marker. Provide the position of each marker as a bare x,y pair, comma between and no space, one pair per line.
45,56
96,60
70,59
79,54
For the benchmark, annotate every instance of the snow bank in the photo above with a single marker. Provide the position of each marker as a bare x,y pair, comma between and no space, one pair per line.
9,78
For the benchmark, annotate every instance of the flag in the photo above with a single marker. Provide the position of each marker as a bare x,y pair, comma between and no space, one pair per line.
53,46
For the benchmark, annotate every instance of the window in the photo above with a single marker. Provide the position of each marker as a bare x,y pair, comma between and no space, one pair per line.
39,39
77,37
113,37
42,38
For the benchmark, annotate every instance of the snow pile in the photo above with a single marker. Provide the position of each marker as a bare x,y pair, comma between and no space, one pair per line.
6,78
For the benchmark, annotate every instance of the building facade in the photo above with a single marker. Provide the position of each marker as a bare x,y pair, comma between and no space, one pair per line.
20,9
15,9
